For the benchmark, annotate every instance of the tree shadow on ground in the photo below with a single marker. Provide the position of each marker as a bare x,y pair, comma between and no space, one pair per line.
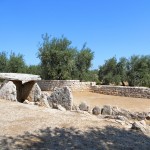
71,138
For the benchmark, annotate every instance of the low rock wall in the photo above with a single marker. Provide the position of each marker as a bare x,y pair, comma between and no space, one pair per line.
74,85
137,92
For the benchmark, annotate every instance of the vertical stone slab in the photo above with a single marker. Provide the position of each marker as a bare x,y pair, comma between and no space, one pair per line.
31,91
61,96
8,91
18,85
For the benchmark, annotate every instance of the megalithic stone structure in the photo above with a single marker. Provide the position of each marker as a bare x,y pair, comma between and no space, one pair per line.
19,87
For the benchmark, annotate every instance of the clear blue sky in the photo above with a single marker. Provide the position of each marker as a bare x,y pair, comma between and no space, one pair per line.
110,27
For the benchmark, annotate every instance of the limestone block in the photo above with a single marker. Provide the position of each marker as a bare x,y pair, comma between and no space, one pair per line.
96,110
19,77
139,125
62,96
83,106
31,91
8,91
106,110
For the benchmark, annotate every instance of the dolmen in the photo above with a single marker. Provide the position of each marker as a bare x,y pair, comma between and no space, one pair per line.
19,87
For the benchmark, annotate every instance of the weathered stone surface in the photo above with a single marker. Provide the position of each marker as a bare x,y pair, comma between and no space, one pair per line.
19,77
74,85
115,110
75,107
139,125
28,102
138,92
43,100
62,96
37,92
126,113
59,107
106,110
148,116
96,110
8,91
84,107
31,91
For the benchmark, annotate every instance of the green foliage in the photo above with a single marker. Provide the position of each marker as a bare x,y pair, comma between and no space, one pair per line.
34,69
16,64
107,72
60,61
138,72
3,62
56,58
135,71
83,62
91,75
121,70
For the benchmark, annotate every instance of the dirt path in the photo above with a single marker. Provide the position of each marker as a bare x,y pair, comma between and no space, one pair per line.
132,104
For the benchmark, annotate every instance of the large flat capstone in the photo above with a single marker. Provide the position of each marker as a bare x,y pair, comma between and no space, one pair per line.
19,77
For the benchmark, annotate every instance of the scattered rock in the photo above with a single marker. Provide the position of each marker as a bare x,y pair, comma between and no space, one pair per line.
148,116
62,96
115,110
139,125
96,110
122,118
106,110
110,117
8,91
84,107
141,116
43,101
28,102
59,107
75,107
126,113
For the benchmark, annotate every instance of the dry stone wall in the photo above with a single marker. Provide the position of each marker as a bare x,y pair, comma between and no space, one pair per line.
137,92
74,85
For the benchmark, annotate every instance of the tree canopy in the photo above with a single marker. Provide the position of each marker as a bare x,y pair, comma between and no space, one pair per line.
135,71
60,60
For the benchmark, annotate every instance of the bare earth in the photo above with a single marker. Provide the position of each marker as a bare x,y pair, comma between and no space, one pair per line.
96,99
25,126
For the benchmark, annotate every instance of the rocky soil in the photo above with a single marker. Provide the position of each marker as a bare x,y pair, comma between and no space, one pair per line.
24,126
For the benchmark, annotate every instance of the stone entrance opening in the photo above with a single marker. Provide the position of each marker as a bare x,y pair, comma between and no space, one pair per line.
24,91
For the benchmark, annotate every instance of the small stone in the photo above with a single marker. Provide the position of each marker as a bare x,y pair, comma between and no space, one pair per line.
75,107
96,110
26,102
59,107
148,116
106,110
122,118
84,107
43,100
139,125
